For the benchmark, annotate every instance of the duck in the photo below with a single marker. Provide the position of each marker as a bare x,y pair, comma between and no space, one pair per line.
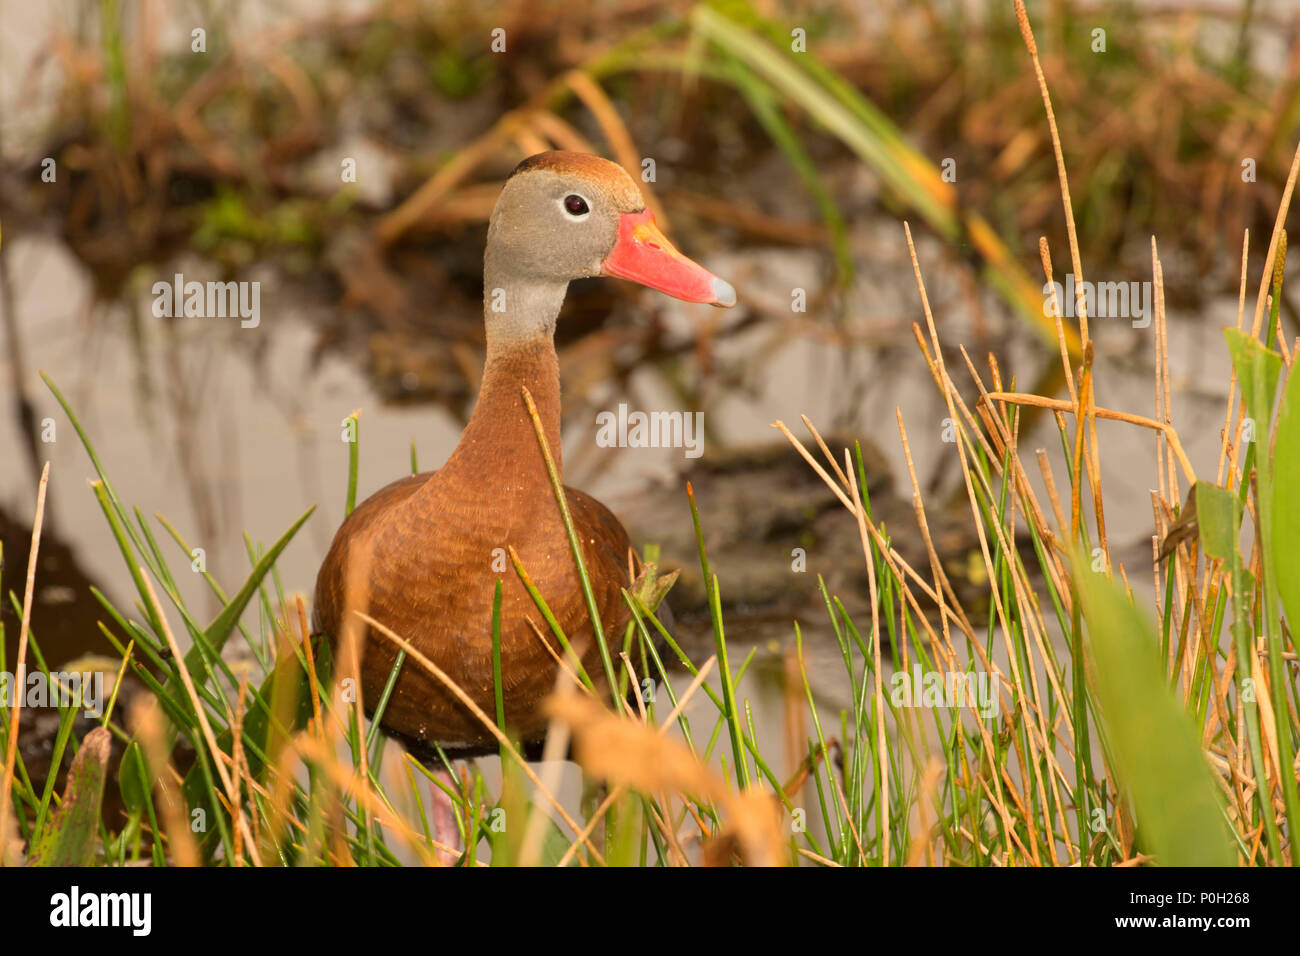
430,545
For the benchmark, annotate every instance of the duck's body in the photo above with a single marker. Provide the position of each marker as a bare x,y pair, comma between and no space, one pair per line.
432,546
438,543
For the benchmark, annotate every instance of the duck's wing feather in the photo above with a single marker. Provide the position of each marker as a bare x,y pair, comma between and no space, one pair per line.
330,579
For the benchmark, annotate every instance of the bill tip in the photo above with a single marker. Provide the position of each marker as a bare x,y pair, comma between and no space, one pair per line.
723,293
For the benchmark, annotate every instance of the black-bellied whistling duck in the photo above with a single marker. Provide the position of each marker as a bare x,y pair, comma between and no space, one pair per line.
432,537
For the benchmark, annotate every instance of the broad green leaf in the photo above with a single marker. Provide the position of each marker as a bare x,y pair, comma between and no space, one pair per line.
1156,753
554,844
1257,371
1285,538
1216,516
132,778
72,837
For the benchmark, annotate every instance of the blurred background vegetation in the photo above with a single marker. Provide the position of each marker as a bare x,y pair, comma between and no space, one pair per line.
769,123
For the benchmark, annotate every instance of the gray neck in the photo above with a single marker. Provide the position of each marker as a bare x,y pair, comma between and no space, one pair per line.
499,439
517,310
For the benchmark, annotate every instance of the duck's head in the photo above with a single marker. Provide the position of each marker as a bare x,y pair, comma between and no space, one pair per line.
565,215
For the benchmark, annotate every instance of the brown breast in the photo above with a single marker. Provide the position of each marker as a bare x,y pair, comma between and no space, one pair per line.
432,579
437,545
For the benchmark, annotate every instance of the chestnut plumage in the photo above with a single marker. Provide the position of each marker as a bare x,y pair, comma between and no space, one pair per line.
430,545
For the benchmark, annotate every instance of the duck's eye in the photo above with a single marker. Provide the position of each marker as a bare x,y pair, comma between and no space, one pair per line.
575,205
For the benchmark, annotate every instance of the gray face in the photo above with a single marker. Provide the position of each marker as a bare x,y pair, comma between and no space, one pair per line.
539,230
